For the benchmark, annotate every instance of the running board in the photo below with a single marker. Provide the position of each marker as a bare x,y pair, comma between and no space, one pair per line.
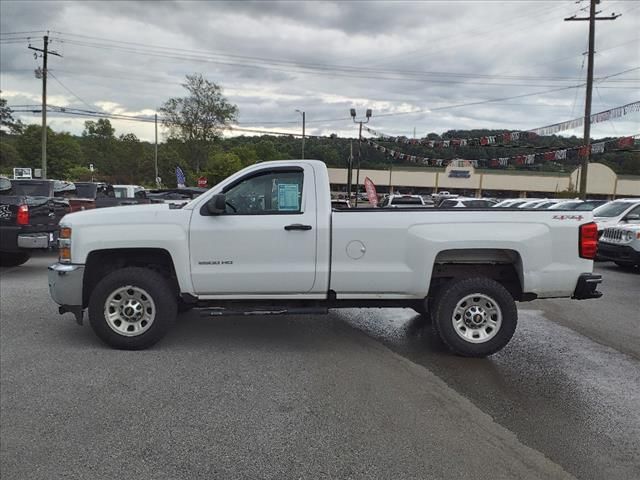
224,312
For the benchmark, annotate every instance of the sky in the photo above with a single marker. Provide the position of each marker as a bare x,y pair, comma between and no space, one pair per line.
415,64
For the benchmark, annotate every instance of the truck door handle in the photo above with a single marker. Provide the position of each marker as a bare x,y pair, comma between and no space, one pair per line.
297,226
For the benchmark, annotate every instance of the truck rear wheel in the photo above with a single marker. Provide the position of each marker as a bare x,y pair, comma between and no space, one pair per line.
132,308
13,259
475,317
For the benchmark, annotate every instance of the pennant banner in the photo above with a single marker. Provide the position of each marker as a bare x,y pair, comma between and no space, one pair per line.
511,138
503,162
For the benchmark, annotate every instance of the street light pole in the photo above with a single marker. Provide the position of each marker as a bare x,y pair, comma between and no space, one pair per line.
303,127
368,116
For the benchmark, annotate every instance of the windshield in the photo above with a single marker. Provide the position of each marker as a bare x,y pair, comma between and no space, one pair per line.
407,201
30,188
612,209
120,192
86,190
566,205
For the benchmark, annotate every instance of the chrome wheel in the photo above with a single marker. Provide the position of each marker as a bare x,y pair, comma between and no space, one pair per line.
129,311
477,318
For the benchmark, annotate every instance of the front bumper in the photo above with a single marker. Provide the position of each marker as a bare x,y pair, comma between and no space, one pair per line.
586,287
65,284
618,253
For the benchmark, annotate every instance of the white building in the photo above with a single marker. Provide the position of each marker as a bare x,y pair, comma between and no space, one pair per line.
462,178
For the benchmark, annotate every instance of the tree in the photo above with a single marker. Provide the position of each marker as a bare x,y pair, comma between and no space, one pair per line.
6,118
63,150
198,118
98,145
9,157
221,165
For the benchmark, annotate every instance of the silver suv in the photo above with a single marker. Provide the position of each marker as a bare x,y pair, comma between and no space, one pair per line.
621,244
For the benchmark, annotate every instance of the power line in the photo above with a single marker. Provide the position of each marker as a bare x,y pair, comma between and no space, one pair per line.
293,66
68,89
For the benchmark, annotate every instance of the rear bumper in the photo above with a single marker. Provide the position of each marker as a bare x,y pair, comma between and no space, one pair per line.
618,253
43,241
586,287
14,239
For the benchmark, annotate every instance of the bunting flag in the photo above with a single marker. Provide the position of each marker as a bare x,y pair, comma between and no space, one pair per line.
530,159
511,137
603,116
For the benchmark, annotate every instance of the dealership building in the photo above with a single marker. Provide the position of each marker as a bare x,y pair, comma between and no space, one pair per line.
460,177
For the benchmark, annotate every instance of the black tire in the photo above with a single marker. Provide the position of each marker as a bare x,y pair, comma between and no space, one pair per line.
421,309
492,295
13,259
627,266
154,287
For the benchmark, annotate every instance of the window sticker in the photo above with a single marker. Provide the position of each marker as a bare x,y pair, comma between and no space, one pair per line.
288,197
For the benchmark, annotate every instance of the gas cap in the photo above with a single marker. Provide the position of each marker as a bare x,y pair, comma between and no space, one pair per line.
356,249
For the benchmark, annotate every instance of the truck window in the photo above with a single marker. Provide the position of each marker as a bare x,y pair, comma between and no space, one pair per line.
120,192
268,193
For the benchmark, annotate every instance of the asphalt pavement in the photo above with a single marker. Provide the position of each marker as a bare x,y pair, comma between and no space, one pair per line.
355,394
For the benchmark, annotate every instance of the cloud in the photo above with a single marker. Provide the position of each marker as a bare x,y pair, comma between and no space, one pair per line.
272,58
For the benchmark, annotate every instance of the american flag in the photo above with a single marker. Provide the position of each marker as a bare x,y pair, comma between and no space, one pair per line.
180,176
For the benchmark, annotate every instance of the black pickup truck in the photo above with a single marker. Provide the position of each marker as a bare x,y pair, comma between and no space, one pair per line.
29,217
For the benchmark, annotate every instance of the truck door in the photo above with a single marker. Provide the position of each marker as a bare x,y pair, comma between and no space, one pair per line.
264,243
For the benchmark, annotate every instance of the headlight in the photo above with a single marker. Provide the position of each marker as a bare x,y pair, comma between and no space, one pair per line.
64,245
628,236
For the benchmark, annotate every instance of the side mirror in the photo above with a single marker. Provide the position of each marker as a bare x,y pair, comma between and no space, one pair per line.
217,204
632,217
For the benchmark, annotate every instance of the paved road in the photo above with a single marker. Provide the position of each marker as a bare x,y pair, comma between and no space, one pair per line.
356,394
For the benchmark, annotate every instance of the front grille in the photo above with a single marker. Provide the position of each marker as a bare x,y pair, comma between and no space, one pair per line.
612,234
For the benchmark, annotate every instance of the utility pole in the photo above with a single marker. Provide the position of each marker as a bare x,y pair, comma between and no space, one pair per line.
353,116
45,51
587,106
155,153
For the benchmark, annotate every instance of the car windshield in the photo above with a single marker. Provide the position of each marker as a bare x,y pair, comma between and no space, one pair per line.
120,192
612,209
566,205
477,203
86,190
406,201
31,188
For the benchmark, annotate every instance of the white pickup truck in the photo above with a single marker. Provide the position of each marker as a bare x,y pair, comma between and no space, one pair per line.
266,241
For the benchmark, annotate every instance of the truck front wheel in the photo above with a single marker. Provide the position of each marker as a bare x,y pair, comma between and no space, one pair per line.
475,317
132,308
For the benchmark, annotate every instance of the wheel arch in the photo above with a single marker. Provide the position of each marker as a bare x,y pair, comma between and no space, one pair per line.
100,263
502,265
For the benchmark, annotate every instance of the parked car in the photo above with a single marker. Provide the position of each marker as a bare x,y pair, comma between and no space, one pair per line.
129,191
624,210
29,217
403,201
175,196
545,204
340,203
506,203
291,254
578,205
621,244
532,203
467,203
100,195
